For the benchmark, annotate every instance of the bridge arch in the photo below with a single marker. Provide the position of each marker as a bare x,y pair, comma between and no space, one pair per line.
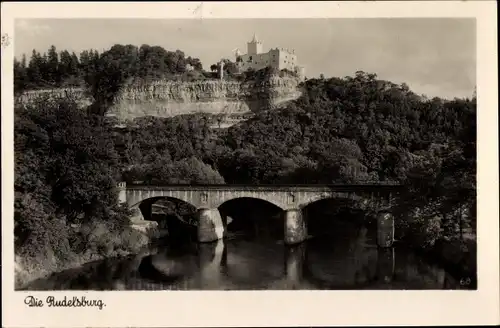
174,225
135,198
267,200
307,201
258,216
152,201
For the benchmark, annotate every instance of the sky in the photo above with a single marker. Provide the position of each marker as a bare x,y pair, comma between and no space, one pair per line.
434,56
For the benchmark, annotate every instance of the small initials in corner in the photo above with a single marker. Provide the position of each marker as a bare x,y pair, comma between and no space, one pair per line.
465,281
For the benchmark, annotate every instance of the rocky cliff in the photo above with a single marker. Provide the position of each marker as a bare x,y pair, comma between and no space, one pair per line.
165,99
169,98
78,94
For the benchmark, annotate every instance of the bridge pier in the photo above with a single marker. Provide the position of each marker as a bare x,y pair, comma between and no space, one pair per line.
295,227
142,212
385,229
210,225
136,214
122,192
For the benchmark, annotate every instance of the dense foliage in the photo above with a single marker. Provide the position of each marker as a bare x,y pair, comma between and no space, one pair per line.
352,129
65,176
63,69
103,74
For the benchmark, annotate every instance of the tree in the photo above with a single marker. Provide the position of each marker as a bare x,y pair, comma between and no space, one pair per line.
65,65
21,80
78,166
53,74
185,171
138,65
195,63
74,65
35,68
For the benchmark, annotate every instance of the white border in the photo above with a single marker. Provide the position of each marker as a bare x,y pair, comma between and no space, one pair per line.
298,308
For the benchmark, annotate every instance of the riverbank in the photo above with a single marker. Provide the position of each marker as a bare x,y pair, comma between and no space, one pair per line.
457,256
134,239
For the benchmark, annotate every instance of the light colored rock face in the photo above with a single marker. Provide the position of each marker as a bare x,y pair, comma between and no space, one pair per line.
133,109
168,98
78,94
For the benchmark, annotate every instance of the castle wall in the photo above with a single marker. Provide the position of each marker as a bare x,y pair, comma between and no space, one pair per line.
256,62
287,60
278,58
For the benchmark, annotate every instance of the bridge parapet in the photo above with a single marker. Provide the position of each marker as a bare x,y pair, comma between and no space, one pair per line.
384,185
283,196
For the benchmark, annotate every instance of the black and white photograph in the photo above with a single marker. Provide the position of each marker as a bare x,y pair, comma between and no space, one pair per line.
244,154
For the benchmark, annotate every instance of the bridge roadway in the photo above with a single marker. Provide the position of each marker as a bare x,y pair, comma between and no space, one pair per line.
290,198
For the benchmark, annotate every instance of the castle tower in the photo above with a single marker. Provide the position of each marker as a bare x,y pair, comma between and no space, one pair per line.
254,46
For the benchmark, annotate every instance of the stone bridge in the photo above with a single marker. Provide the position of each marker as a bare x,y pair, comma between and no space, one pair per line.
290,198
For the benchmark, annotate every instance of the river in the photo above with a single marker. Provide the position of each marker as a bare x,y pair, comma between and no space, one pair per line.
345,258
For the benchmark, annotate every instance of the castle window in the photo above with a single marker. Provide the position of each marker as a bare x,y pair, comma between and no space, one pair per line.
250,58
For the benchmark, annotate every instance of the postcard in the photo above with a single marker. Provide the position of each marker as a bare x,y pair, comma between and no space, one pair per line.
249,164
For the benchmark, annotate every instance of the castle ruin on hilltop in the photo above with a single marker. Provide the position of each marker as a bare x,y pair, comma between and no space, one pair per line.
279,58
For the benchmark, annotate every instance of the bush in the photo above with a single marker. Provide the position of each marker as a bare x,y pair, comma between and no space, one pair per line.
66,202
110,238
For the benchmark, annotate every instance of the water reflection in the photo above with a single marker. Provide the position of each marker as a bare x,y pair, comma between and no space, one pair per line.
385,264
246,265
346,259
212,262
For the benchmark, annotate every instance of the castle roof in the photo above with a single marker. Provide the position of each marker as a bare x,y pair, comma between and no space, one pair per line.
255,38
